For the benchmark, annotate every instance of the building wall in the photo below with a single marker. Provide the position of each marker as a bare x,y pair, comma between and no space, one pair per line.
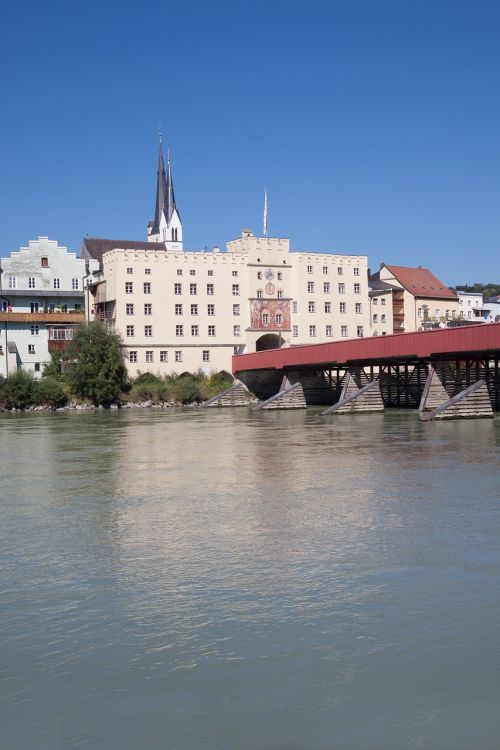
381,313
414,307
470,306
39,282
242,297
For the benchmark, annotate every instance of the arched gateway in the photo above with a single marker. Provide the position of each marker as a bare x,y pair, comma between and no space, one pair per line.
268,341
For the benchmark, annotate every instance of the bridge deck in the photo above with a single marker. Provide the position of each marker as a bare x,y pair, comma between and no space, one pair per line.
446,343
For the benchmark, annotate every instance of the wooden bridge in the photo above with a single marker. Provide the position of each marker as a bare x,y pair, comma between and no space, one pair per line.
400,364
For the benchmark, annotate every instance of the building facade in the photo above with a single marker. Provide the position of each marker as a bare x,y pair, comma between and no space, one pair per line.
42,299
471,306
179,310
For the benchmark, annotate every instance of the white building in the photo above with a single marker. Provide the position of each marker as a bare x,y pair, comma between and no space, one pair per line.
179,310
42,299
471,307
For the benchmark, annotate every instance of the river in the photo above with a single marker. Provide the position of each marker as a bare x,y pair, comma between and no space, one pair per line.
217,580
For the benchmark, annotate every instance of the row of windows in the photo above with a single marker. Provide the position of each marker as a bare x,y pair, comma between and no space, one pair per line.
344,331
327,288
279,293
327,306
375,318
375,301
179,330
193,288
132,355
178,308
340,270
192,271
12,281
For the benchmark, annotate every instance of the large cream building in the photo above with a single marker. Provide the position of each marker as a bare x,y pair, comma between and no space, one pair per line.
180,310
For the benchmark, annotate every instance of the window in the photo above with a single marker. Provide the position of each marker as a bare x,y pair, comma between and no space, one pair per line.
340,271
31,349
359,331
130,330
129,287
236,290
194,309
279,319
178,356
236,309
195,330
179,272
179,330
210,272
147,271
357,288
31,282
236,330
130,270
64,308
280,293
342,307
148,309
45,262
78,306
211,330
311,307
326,287
193,289
382,301
148,330
328,331
375,318
34,307
37,366
259,293
205,355
357,307
210,289
234,273
328,307
325,270
343,331
375,301
294,307
265,318
57,283
177,288
341,288
295,331
279,276
310,286
210,309
132,355
164,235
35,330
52,307
147,287
178,309
309,269
356,271
259,274
149,356
192,272
163,355
129,309
74,284
312,331
382,318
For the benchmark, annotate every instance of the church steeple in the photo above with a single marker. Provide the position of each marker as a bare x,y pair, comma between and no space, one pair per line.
166,226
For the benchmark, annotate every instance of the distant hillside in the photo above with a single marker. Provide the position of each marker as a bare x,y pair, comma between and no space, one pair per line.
488,290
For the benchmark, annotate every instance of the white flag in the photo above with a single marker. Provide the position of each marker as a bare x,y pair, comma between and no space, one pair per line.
265,213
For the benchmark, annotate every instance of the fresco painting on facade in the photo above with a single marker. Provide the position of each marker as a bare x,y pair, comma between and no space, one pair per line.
270,315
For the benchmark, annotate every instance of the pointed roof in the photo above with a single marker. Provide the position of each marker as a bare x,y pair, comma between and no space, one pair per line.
421,282
165,198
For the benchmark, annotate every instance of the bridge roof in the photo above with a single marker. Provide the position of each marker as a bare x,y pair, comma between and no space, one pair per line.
446,342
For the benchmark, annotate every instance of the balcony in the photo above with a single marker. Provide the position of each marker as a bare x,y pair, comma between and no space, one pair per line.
42,317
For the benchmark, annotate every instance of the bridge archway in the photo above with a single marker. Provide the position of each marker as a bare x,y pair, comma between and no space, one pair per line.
268,341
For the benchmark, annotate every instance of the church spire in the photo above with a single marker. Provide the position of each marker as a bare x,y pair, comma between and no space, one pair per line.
166,227
170,197
161,192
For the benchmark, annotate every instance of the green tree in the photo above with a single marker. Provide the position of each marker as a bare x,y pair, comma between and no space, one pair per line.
19,390
95,364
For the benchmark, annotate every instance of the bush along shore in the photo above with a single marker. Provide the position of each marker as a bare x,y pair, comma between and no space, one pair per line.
91,373
21,391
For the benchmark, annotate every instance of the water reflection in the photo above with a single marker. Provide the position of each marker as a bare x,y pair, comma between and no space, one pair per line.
190,579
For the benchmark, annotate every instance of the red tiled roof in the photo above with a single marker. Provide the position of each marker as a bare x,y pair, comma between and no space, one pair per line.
421,282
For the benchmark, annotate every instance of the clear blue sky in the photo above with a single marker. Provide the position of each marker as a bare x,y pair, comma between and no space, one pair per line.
374,125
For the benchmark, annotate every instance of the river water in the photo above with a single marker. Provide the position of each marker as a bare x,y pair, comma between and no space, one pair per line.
216,580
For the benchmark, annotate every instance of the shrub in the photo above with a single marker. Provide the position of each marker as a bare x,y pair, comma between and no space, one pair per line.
49,392
19,390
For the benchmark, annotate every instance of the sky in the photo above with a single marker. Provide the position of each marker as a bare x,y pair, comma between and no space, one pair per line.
373,125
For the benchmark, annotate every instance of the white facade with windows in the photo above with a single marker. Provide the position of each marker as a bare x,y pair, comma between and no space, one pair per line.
41,300
470,306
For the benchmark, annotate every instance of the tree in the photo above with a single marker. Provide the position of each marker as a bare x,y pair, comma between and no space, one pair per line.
95,364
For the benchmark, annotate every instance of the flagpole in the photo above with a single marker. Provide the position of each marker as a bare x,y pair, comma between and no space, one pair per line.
265,213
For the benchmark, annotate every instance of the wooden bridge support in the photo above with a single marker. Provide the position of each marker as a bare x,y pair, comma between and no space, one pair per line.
288,397
237,395
357,400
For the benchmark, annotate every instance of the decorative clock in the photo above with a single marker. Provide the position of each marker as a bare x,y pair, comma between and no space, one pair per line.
269,274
